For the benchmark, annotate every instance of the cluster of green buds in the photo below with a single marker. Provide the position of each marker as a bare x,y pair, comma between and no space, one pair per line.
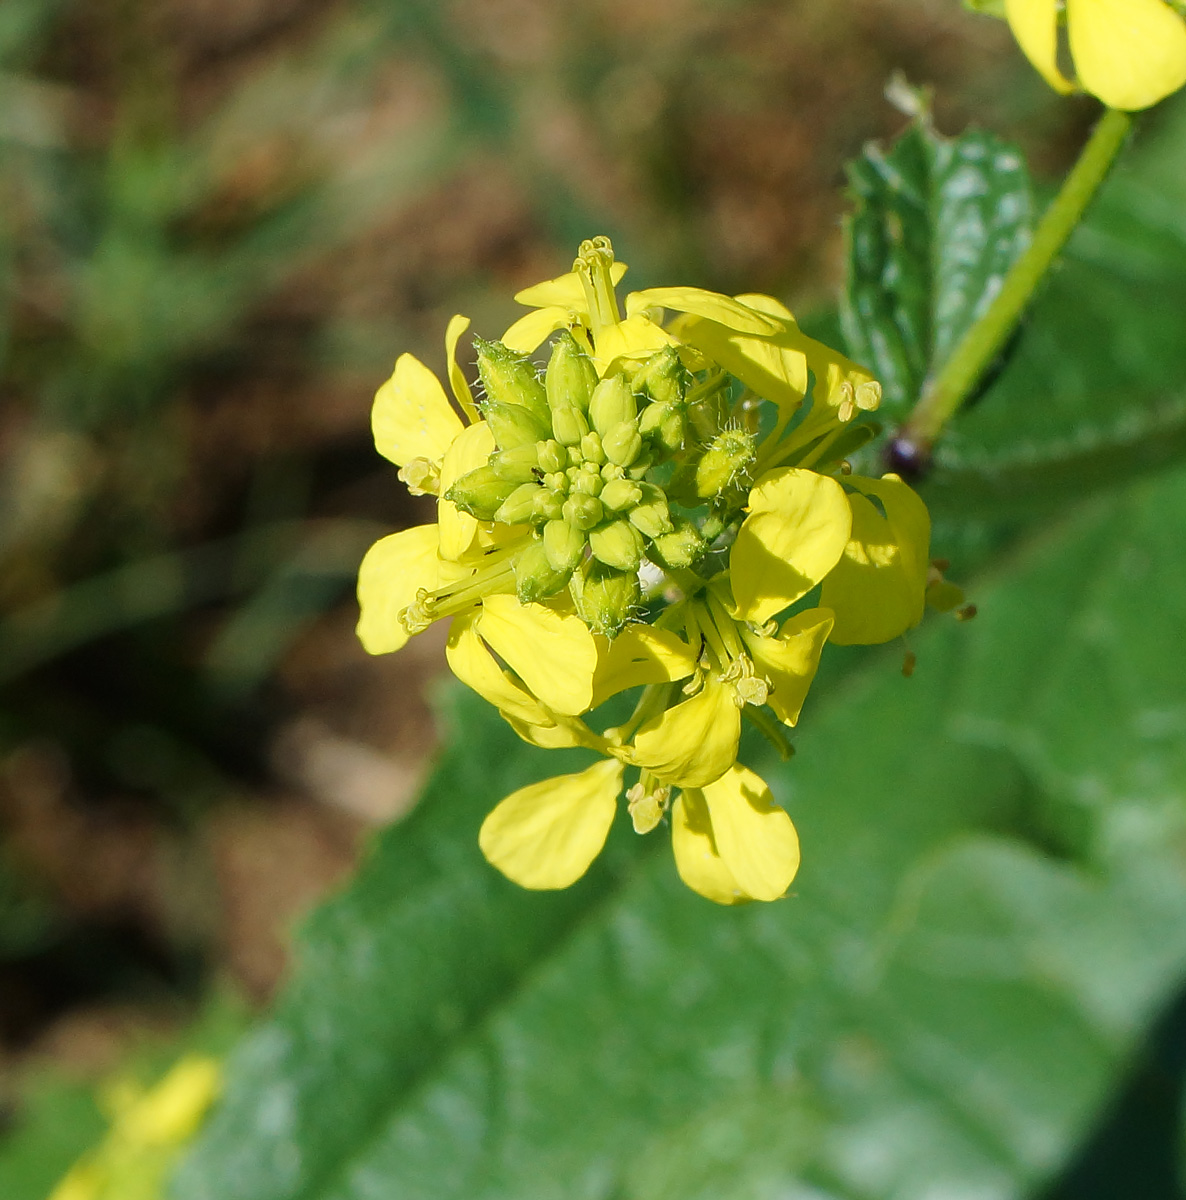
665,506
574,453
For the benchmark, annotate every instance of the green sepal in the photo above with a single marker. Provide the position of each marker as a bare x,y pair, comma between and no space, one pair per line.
564,544
513,425
520,506
617,544
612,403
480,492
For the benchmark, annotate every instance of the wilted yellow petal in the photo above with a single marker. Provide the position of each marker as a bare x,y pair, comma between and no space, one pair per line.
789,661
412,417
470,450
697,860
477,668
797,530
530,330
554,655
878,588
457,381
754,837
171,1111
394,569
640,654
547,834
695,742
1035,26
1129,53
710,305
565,291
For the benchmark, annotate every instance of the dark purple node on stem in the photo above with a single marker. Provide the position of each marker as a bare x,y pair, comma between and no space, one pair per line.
908,456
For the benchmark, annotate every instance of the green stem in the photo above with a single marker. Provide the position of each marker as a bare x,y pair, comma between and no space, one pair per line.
981,344
770,729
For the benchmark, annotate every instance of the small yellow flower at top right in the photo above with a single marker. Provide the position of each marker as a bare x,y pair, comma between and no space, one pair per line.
1128,53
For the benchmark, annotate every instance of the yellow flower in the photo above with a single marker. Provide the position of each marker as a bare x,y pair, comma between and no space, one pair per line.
1129,53
641,516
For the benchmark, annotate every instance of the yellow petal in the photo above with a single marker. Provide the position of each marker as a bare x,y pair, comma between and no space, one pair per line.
789,661
546,835
754,837
457,381
171,1111
635,337
772,367
529,331
393,570
566,733
639,655
797,530
1035,26
470,450
695,742
878,588
565,291
697,860
554,655
477,668
412,417
710,305
1129,53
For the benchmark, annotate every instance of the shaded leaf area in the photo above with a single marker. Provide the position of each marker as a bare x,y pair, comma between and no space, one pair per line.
937,224
993,903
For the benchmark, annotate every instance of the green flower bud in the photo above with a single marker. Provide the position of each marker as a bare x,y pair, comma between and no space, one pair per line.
552,456
730,455
617,544
622,445
604,597
650,515
548,505
511,378
612,403
591,450
569,425
557,481
535,577
612,471
620,494
512,425
519,506
679,549
662,377
563,544
588,480
640,466
583,511
665,425
520,465
571,375
480,493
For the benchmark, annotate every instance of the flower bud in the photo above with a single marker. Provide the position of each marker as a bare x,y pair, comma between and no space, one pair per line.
512,425
620,494
730,454
679,549
582,511
563,545
650,515
662,377
612,403
569,425
571,375
519,465
519,506
511,378
640,466
552,456
664,425
535,577
622,445
588,480
617,544
591,450
604,597
480,493
548,505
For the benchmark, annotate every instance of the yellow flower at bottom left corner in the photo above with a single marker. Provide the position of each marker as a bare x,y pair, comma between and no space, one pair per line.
545,835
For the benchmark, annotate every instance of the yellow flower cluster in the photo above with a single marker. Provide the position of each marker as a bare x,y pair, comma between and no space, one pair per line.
1129,53
654,513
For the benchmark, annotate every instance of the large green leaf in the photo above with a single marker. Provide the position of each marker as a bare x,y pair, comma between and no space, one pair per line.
993,902
937,222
